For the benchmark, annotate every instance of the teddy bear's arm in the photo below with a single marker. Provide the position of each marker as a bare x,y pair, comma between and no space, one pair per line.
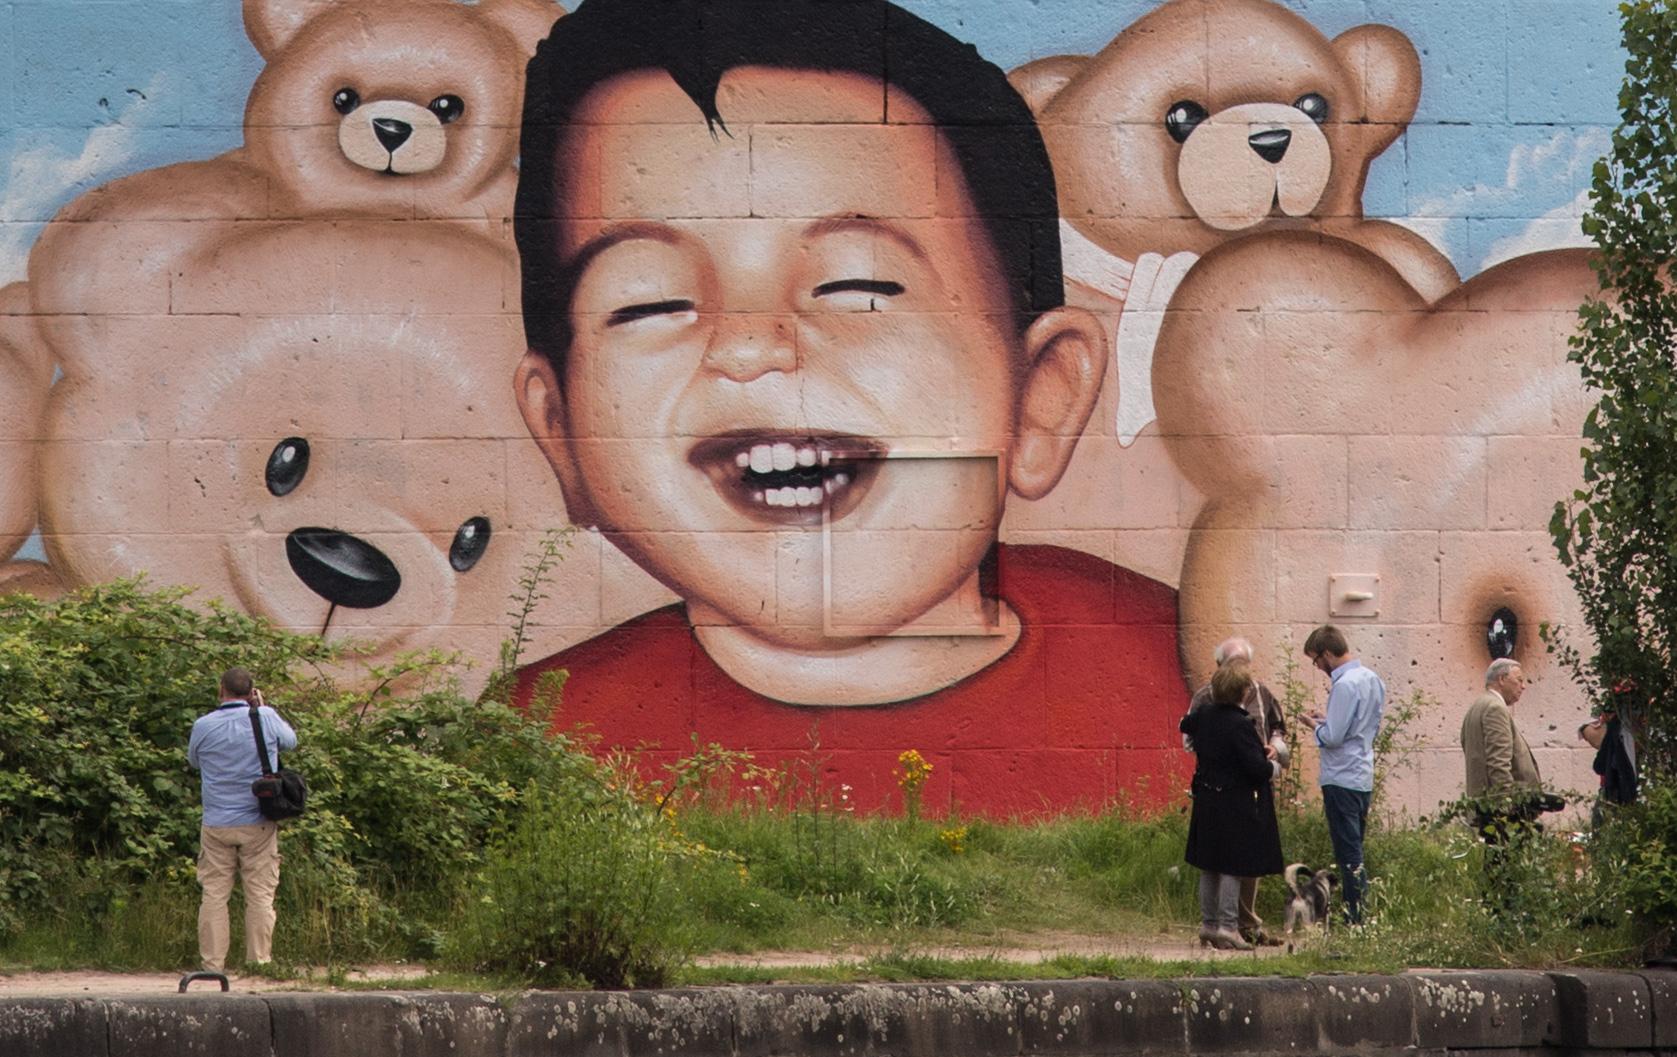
25,375
1420,263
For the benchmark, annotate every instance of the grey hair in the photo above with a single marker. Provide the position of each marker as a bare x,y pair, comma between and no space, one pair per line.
1229,649
1498,669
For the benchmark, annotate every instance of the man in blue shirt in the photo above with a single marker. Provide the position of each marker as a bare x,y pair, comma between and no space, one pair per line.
235,837
1345,737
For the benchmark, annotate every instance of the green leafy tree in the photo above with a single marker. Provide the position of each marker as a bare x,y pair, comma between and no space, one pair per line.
1617,535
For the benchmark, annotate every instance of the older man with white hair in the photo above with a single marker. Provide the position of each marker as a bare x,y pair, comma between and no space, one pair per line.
1501,770
1267,717
1502,775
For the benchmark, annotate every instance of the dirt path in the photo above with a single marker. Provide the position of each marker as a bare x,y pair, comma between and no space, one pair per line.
93,982
1028,949
1025,948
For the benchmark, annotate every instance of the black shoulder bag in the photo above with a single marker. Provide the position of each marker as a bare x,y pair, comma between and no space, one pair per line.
279,794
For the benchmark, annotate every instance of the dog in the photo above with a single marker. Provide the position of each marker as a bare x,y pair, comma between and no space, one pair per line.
1308,902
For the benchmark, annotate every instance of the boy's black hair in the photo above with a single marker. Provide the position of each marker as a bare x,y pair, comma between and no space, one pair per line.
990,129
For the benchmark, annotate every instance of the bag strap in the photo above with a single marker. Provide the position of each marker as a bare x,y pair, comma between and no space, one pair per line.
261,744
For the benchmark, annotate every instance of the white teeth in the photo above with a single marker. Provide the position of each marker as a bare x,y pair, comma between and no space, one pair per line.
806,456
809,496
785,456
743,459
841,478
788,496
762,458
758,496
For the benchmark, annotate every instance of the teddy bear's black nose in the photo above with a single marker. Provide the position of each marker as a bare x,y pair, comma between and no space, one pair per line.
1271,145
391,133
342,569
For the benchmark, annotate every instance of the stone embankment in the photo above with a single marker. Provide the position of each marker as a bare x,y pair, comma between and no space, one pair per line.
1470,1014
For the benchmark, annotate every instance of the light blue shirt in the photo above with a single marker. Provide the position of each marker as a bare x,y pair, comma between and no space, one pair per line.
1346,739
224,751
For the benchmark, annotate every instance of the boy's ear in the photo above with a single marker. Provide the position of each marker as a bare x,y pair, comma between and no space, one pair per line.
542,404
1066,352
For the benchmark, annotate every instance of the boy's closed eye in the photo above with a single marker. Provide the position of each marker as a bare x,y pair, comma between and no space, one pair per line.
868,289
631,313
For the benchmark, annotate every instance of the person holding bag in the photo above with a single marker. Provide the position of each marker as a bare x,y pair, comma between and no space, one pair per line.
1232,832
236,838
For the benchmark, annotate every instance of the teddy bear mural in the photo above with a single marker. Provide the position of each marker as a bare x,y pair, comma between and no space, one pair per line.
284,372
1201,122
1330,398
1343,424
24,378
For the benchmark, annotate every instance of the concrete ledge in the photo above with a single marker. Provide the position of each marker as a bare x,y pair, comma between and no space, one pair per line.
1662,999
1483,1010
1600,1010
1473,1014
1096,1018
1364,1014
1250,1016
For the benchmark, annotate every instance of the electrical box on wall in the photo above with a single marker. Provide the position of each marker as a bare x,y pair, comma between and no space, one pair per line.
1354,595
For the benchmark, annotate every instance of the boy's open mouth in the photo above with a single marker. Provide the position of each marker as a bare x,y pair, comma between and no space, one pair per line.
790,478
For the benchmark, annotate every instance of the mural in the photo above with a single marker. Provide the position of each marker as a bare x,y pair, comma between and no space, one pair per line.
903,402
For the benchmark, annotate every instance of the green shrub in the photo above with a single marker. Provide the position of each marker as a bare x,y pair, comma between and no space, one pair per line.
1643,837
410,781
586,886
98,692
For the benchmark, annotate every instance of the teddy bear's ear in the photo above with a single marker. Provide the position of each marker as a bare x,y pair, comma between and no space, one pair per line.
529,21
271,24
1388,73
1040,80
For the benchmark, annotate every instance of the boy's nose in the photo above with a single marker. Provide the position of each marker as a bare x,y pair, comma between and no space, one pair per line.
747,345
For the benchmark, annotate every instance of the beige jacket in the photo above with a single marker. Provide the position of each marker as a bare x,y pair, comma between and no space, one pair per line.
1498,758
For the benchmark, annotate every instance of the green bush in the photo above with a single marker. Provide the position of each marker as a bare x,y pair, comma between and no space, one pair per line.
1643,836
98,692
586,886
410,781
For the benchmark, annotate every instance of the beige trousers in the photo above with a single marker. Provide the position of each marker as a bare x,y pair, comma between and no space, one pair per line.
253,852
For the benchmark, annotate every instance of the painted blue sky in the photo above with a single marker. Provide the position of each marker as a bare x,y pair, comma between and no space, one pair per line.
1518,99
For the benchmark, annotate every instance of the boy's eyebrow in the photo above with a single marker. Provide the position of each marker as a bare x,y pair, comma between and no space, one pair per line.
624,232
867,225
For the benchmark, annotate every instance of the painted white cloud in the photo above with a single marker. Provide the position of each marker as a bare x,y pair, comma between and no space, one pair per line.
1559,228
1536,176
38,177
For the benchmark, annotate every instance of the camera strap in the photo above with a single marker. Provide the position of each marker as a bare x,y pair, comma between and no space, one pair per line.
261,743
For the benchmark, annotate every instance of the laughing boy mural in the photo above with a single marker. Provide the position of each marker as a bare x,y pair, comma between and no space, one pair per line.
792,290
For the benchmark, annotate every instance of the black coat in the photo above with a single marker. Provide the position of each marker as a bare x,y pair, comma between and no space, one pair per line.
1618,774
1232,829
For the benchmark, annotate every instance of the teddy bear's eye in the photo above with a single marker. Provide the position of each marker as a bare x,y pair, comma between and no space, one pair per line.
447,108
1182,118
287,464
1502,633
345,100
470,541
1314,106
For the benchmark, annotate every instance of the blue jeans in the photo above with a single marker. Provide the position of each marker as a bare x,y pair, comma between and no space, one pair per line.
1347,811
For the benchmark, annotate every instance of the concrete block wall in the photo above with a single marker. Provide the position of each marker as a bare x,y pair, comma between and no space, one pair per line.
1500,1013
1320,259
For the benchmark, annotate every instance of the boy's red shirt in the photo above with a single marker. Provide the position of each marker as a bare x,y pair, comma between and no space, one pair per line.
1083,708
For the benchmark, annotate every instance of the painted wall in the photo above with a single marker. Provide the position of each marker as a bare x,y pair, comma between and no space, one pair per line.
264,338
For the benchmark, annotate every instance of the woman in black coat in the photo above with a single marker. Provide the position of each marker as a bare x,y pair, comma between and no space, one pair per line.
1232,831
